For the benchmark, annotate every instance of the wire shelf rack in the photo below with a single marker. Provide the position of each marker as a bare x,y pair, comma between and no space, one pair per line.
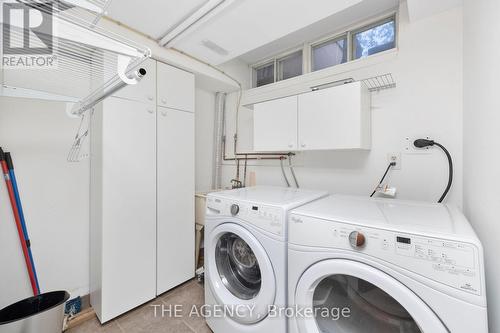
380,82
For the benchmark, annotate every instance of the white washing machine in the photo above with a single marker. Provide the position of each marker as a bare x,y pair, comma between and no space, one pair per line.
397,266
245,257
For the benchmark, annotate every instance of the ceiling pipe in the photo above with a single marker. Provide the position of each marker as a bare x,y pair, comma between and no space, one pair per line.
203,14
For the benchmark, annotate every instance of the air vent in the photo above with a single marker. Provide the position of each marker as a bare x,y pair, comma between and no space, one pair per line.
214,47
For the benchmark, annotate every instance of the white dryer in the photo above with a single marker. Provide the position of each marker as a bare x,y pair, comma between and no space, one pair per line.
245,257
398,266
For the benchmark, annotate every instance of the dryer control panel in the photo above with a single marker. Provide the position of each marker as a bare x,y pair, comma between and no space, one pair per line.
268,218
455,264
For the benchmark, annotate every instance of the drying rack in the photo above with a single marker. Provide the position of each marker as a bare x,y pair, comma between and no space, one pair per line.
380,82
89,63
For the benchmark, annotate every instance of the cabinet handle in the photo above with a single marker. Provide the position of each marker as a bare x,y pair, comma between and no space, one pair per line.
290,145
164,113
151,110
303,145
164,101
150,97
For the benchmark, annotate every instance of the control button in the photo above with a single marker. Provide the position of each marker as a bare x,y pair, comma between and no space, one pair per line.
235,209
356,239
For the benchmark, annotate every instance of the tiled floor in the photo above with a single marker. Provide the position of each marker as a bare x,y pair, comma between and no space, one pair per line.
143,319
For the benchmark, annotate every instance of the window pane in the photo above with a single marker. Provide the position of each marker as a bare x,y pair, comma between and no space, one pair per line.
374,40
264,74
290,66
329,54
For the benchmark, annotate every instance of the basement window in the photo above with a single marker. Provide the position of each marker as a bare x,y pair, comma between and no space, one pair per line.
330,53
263,74
374,38
290,66
353,43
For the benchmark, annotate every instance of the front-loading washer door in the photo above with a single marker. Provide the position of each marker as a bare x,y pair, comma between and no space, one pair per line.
348,296
240,273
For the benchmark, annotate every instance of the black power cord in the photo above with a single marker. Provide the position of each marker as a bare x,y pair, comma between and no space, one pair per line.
422,143
383,177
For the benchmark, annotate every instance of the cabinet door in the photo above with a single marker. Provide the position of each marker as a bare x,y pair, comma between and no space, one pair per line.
145,90
175,224
275,125
128,206
335,118
175,88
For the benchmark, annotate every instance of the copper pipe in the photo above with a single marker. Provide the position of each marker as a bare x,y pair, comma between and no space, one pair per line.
267,156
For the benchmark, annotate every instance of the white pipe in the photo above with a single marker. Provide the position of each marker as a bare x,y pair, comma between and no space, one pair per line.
220,101
292,171
206,12
107,91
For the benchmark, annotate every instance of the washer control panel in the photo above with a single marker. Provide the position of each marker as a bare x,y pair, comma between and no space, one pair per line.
455,264
268,218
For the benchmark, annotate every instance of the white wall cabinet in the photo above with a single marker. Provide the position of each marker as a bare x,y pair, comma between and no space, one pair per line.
275,125
328,119
142,198
175,88
335,118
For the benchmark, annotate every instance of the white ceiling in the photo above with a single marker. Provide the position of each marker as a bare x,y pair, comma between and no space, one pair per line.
255,29
152,17
248,24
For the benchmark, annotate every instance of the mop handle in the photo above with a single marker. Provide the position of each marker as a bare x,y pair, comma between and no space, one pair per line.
17,219
10,166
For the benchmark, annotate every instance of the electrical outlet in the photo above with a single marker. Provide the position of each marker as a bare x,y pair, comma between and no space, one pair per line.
396,158
410,148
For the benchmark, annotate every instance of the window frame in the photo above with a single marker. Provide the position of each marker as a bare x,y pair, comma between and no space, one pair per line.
275,60
260,65
367,27
348,33
285,56
325,41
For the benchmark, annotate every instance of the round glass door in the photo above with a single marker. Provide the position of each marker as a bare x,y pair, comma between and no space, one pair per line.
370,308
239,272
350,296
238,266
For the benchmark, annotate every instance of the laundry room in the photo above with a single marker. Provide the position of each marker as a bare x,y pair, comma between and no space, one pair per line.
249,166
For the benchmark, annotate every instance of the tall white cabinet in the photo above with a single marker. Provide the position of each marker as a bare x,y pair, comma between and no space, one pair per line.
175,190
142,191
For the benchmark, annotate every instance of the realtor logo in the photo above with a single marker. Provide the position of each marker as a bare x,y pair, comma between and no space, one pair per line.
27,39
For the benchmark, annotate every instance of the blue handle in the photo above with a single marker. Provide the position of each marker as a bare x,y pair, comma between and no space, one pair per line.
23,221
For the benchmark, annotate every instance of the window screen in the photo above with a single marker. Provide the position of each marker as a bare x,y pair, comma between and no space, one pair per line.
330,53
263,74
290,66
374,39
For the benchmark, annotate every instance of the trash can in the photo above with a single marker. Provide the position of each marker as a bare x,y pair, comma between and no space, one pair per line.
38,314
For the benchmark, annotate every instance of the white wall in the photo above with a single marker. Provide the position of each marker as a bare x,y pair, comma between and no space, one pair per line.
427,101
481,140
55,197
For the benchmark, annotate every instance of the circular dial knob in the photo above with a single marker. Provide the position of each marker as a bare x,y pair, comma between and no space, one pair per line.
235,209
357,239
